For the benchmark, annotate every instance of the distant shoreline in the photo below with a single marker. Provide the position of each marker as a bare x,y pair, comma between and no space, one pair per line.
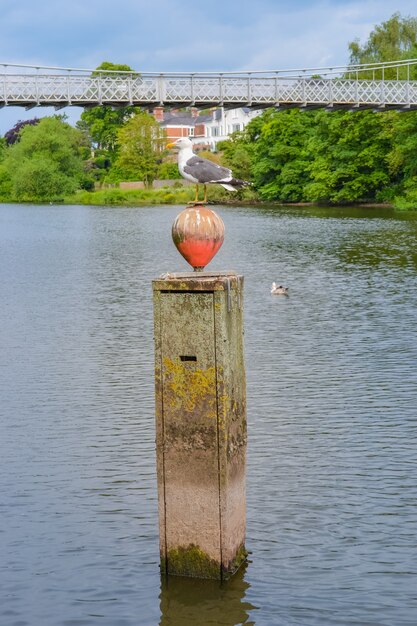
117,197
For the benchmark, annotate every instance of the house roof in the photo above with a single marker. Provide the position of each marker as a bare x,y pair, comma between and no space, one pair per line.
184,119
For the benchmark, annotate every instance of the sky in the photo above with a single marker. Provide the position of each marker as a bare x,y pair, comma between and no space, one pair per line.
184,35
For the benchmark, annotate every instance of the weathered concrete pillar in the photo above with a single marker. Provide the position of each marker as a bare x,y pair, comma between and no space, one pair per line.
200,423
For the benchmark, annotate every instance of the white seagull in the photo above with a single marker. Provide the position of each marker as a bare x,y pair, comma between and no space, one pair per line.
202,171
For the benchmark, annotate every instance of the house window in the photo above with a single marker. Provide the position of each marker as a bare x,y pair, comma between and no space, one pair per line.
215,131
191,132
235,127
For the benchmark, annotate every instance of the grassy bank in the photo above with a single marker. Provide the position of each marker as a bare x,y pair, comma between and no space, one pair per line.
182,195
165,195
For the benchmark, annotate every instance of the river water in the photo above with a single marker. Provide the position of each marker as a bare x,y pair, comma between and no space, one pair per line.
332,419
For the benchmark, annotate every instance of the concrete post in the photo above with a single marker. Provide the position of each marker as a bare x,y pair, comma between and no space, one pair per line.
200,423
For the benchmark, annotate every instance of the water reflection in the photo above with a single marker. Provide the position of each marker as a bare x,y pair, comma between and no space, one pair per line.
360,243
189,602
381,249
335,213
331,418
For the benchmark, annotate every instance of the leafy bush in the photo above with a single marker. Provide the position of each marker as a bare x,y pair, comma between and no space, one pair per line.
5,184
168,171
133,197
46,164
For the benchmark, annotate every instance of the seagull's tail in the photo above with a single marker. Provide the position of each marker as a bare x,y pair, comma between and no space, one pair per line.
234,184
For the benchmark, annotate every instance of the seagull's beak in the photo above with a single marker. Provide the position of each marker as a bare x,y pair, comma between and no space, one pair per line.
170,145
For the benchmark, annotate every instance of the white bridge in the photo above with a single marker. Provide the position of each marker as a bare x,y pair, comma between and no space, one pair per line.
379,86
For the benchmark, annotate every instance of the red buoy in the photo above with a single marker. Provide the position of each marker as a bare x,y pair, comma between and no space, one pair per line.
198,233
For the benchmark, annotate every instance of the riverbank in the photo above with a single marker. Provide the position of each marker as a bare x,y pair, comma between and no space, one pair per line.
165,195
183,195
179,194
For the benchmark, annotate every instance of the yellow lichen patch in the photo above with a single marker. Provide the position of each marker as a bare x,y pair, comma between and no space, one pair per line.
191,387
223,410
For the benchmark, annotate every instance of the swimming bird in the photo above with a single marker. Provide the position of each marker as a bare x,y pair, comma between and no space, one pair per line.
202,171
279,290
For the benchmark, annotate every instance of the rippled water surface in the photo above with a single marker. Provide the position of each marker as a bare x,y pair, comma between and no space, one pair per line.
332,415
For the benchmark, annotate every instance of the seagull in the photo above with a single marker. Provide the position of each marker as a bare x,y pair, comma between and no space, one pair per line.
279,290
202,171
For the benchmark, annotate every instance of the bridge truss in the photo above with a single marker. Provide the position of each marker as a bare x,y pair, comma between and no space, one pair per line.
378,86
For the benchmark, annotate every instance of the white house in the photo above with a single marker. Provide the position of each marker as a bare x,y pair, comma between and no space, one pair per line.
224,122
205,131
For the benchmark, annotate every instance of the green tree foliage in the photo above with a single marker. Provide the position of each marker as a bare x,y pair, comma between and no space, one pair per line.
396,39
402,158
349,157
265,152
102,123
47,162
112,69
168,170
325,157
238,152
281,160
5,183
336,157
141,141
392,40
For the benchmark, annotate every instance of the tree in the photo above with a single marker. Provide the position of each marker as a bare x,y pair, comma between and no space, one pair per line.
392,40
272,151
237,153
395,39
13,134
281,159
402,158
5,183
102,123
141,141
349,162
47,162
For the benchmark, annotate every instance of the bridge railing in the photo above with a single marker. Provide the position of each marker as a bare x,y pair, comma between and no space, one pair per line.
341,87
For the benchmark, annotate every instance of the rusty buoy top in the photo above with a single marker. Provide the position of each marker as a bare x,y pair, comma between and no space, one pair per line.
198,234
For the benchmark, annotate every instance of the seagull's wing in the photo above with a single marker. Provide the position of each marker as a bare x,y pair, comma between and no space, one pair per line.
206,171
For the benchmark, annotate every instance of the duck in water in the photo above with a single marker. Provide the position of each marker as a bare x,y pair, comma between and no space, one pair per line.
279,290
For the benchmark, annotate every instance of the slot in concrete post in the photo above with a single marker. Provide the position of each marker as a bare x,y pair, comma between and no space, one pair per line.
200,423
